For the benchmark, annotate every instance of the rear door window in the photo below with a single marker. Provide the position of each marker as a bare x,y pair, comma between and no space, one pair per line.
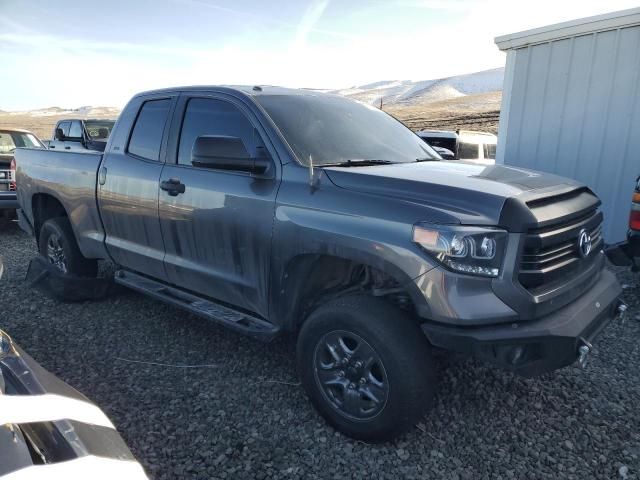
490,151
7,145
468,151
75,130
148,130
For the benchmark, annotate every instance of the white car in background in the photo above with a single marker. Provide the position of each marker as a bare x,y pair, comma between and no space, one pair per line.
467,145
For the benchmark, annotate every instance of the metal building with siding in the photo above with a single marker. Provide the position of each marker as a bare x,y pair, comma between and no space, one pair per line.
571,106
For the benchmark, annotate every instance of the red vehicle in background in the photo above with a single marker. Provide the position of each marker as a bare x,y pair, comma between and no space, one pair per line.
629,252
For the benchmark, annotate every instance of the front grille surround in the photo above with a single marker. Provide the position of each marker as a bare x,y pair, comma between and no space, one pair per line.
551,253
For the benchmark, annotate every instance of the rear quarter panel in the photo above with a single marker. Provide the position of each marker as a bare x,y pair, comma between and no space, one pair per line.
69,177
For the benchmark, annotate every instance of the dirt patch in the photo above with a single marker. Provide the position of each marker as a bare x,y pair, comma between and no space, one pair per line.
472,112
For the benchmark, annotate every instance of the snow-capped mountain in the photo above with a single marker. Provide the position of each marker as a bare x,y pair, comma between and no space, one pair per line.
426,91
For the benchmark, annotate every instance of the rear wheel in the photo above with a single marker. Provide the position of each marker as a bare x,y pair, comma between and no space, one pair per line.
366,367
57,244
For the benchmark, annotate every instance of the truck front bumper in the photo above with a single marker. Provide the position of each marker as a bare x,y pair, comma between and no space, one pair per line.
542,345
8,201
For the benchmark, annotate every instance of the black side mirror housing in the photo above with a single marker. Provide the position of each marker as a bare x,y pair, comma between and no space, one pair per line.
59,134
227,153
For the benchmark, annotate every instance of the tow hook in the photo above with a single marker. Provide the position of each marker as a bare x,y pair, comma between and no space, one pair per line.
583,352
622,312
585,349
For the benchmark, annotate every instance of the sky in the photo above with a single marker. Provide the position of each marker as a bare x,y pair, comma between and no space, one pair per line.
71,53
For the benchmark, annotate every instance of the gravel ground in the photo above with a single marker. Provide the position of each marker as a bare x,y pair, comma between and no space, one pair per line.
245,416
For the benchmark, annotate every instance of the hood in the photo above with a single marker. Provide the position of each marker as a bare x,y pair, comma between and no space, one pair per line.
457,192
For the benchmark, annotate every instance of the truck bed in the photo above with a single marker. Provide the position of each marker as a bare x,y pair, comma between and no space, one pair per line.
69,178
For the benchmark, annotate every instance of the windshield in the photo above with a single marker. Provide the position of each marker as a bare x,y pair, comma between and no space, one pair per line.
333,130
9,141
99,129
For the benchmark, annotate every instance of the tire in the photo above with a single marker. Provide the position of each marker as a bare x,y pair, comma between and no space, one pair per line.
391,393
58,245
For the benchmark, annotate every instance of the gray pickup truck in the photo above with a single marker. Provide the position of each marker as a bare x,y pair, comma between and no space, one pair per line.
272,210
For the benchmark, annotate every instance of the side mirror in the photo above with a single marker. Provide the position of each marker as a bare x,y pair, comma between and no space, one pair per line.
59,134
226,153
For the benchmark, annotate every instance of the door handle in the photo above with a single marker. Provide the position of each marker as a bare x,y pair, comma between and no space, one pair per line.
173,187
67,148
52,146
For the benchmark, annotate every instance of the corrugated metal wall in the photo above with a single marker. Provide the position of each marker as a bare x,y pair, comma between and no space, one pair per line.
574,110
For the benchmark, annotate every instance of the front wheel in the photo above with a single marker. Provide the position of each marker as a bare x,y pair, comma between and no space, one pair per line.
57,244
366,367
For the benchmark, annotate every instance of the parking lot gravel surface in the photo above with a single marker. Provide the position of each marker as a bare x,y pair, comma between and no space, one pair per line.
196,401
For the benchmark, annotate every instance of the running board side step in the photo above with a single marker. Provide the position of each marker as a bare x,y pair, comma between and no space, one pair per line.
235,320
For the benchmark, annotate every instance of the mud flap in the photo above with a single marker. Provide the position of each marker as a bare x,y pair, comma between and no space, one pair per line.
65,287
619,255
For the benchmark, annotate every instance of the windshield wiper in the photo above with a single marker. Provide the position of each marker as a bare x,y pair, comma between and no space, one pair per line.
427,159
360,162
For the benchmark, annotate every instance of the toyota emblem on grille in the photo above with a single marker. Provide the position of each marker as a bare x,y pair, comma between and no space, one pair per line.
584,243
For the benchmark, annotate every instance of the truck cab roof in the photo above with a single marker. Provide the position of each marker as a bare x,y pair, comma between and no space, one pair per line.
74,119
250,90
14,130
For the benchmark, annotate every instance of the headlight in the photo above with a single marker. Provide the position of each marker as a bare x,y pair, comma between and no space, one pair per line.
472,250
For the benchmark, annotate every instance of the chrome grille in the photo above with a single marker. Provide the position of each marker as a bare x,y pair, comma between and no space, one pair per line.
553,252
7,181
